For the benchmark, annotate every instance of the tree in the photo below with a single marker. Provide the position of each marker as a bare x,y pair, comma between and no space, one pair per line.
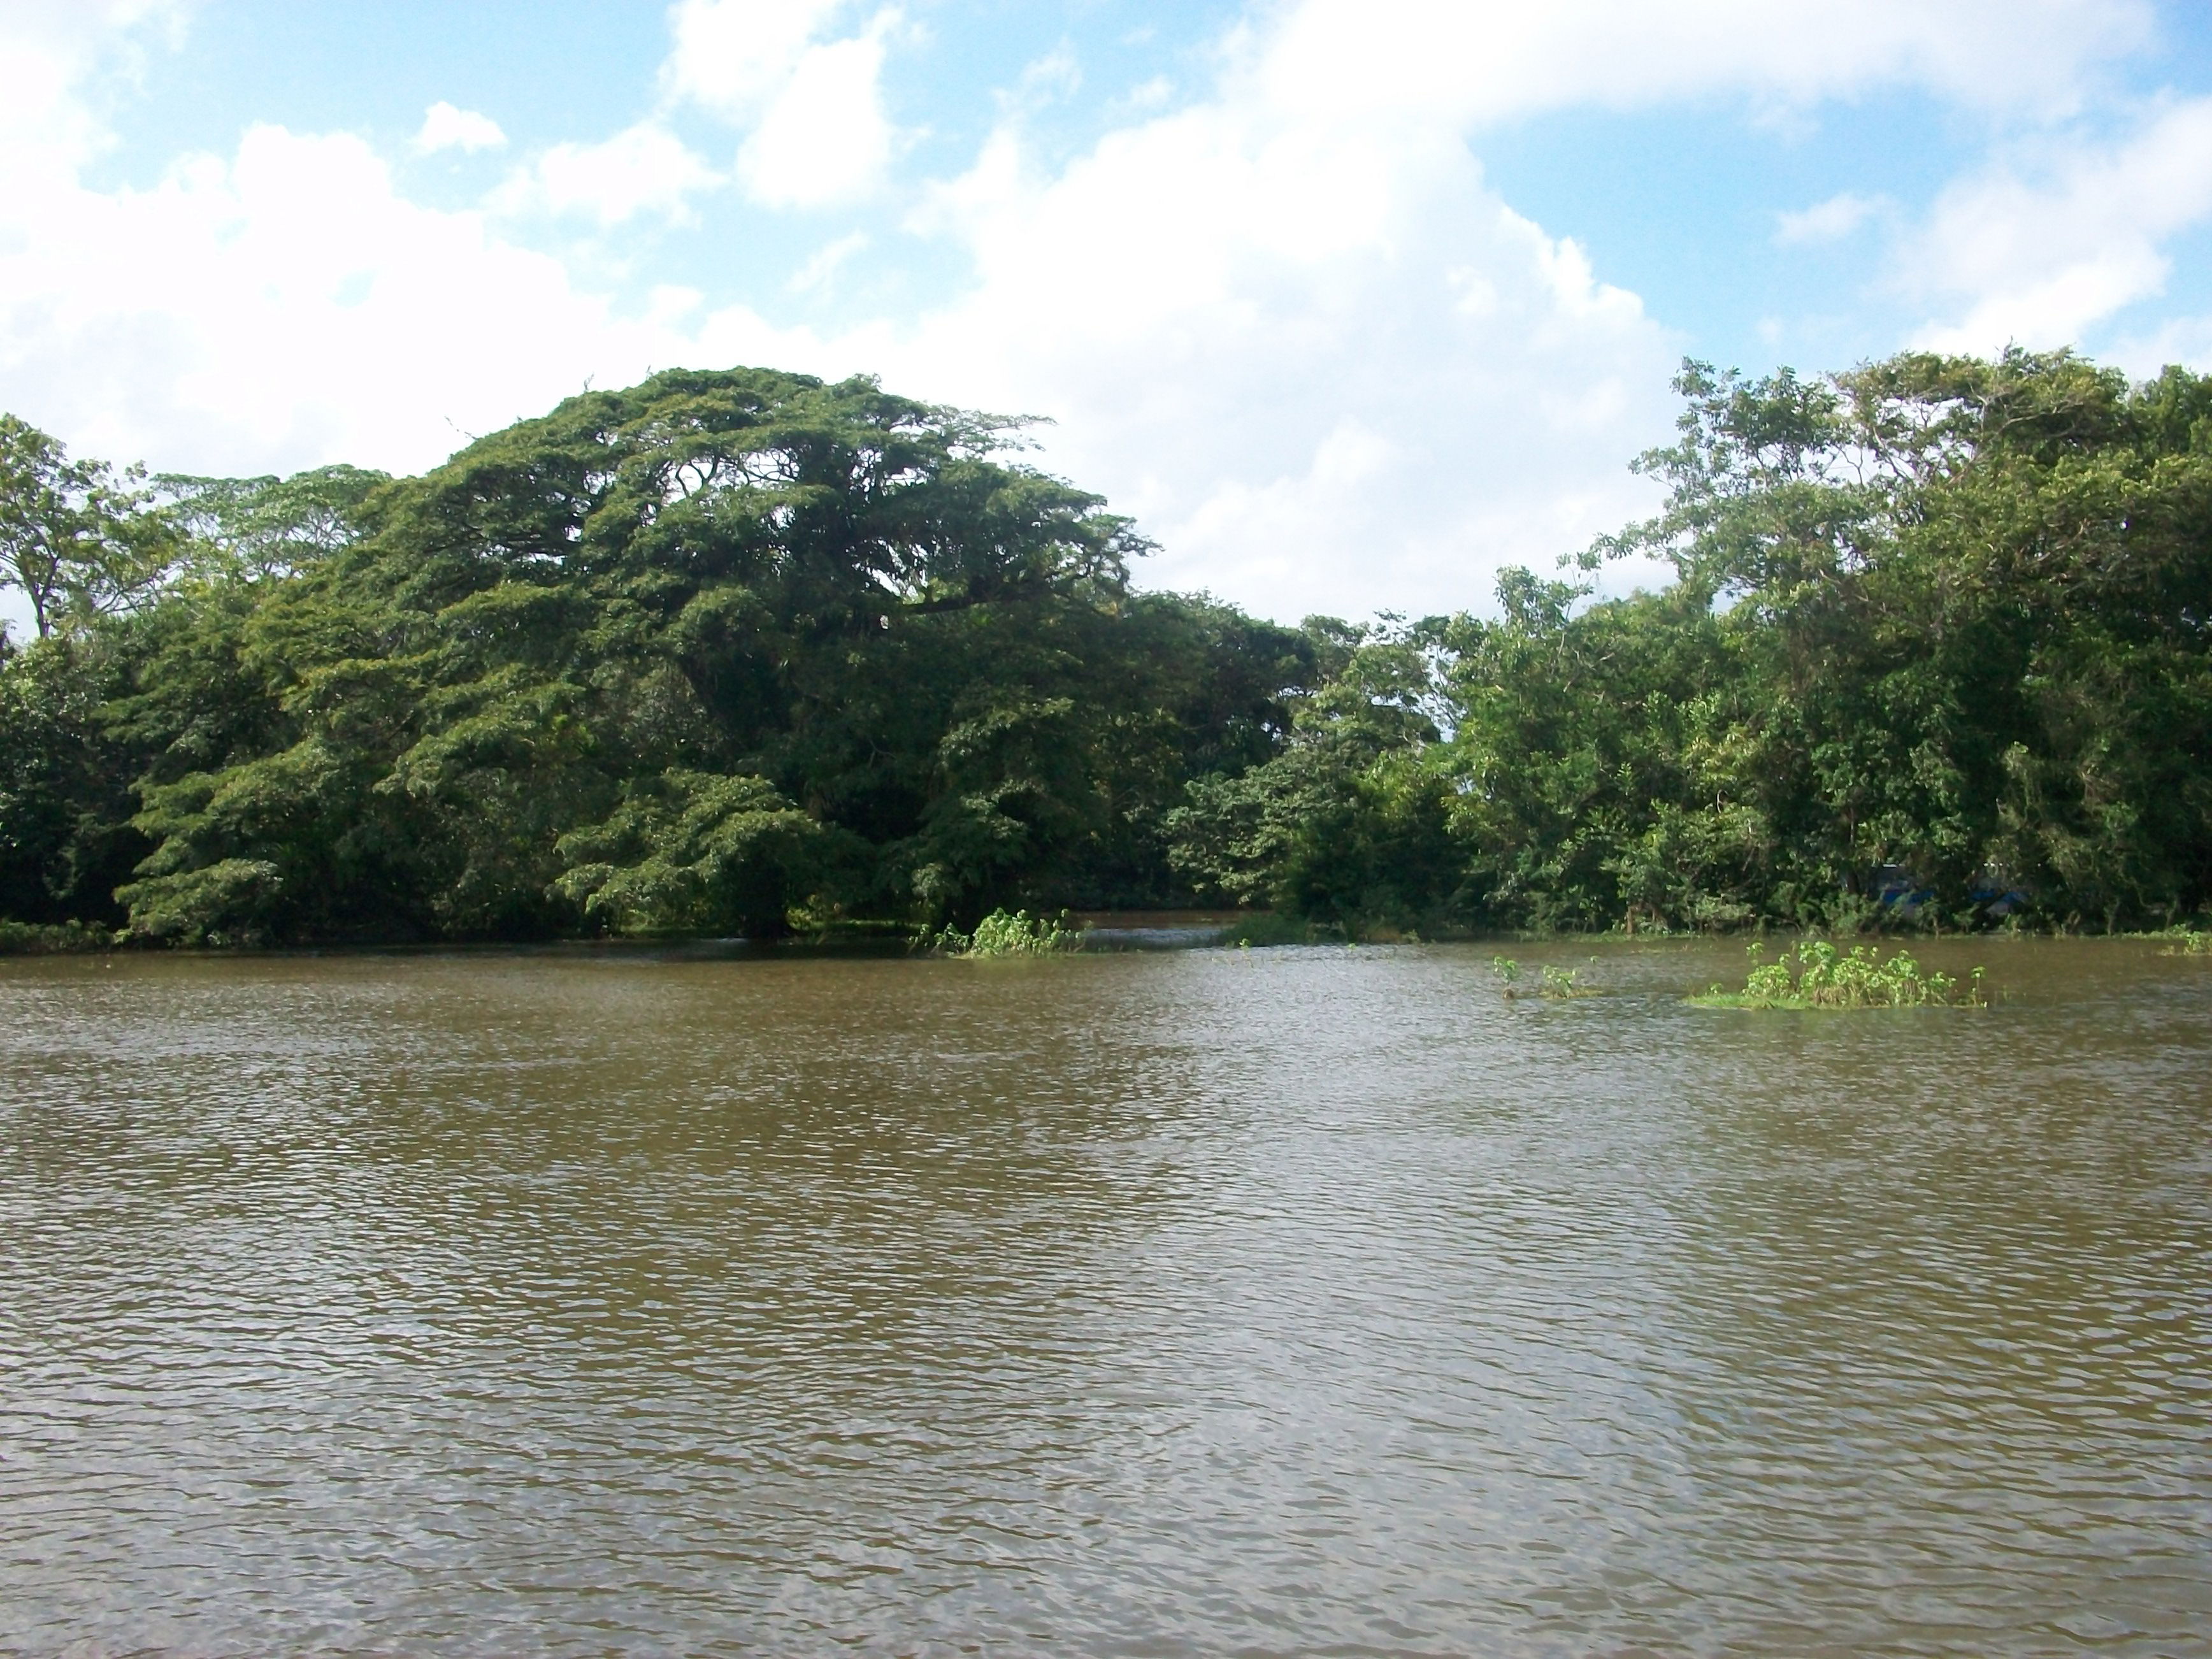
65,800
269,525
599,669
1344,824
749,650
75,537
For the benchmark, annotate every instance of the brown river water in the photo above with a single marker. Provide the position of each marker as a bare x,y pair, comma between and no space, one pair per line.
1312,1301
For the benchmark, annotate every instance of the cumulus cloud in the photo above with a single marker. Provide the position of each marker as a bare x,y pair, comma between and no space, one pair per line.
2043,246
732,55
1289,323
644,169
48,48
2172,340
818,133
305,311
445,127
70,35
1292,330
1328,371
825,139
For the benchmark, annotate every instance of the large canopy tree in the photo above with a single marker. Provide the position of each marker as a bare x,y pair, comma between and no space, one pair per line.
600,669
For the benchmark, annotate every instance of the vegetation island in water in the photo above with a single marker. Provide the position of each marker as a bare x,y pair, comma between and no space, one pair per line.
746,652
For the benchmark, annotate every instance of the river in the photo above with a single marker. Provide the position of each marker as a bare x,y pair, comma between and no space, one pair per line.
1307,1301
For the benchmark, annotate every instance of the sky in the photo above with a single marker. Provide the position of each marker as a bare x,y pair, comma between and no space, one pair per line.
1348,303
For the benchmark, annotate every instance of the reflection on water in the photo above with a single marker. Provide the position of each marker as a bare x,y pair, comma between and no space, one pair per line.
1256,1301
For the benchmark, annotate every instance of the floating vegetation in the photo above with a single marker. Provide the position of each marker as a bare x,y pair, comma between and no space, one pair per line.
2188,942
1555,982
1818,975
1000,934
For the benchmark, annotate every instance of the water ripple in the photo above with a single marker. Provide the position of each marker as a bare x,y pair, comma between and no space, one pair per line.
1311,1300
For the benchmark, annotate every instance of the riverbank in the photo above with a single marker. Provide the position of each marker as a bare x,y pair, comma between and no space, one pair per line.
23,939
1094,929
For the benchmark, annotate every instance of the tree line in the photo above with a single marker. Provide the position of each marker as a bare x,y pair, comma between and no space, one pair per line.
748,652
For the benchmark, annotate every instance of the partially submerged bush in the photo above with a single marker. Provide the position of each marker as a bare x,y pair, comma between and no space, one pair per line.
1000,934
1551,982
2189,942
1563,982
1825,977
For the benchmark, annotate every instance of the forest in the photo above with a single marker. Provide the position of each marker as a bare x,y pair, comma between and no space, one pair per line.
747,653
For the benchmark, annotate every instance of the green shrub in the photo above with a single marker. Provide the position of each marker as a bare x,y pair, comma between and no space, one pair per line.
1557,983
1000,934
1825,977
24,938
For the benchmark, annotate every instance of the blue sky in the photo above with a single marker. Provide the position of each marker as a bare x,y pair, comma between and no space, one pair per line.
1348,303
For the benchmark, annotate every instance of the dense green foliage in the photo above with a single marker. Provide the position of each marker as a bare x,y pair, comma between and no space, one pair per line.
725,652
1004,934
745,652
75,540
1936,648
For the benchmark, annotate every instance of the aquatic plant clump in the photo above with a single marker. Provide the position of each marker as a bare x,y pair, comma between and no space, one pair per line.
1001,934
1818,975
2189,942
1558,983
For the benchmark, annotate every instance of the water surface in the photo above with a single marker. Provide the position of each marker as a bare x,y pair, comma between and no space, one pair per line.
1272,1302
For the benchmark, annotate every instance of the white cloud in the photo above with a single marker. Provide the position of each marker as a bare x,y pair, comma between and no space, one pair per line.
813,109
2045,246
823,263
1290,328
48,48
72,35
732,56
825,138
1328,369
1288,325
1826,221
1055,75
300,308
303,311
2186,340
1148,95
644,169
445,127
